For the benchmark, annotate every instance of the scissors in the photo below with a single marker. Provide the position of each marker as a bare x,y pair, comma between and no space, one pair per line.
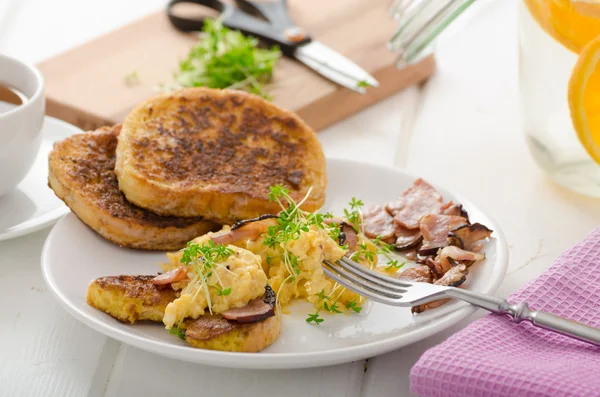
270,21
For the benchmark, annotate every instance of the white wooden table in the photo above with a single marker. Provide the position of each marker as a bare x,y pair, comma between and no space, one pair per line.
461,130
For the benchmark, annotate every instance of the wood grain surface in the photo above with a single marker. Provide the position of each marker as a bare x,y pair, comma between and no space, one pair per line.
86,86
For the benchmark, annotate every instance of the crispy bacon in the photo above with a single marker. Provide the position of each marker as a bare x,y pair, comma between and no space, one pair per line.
172,276
456,210
378,222
435,229
407,238
246,230
450,256
417,201
420,274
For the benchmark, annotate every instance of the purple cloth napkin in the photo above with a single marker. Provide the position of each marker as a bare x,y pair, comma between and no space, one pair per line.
496,357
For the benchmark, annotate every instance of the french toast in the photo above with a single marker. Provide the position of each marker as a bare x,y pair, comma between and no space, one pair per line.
215,153
81,173
136,298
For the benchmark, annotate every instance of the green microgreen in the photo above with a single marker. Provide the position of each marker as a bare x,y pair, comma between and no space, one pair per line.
363,84
354,214
314,317
386,250
132,79
353,305
225,58
178,331
205,259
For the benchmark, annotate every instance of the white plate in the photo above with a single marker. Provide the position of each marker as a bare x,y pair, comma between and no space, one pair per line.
74,255
33,205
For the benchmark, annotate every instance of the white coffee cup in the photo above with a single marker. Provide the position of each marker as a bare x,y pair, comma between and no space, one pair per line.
21,126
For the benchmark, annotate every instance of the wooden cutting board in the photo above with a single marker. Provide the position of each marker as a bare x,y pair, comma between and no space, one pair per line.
86,86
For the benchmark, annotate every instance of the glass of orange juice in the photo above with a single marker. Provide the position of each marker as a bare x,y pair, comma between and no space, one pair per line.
560,89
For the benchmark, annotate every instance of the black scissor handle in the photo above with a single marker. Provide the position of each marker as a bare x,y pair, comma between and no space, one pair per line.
277,29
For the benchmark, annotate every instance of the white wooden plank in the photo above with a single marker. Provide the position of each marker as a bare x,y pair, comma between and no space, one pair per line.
43,350
373,134
137,372
469,117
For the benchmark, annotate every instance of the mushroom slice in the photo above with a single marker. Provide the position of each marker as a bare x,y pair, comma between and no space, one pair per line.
453,278
250,229
349,236
256,310
470,234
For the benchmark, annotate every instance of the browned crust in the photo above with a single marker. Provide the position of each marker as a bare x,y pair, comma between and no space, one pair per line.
216,333
136,298
130,298
138,287
81,173
215,153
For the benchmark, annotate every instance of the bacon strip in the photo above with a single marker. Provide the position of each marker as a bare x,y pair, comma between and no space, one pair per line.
172,276
378,222
247,231
414,203
435,229
450,256
420,274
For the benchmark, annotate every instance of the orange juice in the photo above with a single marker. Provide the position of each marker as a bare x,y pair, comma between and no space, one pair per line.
553,36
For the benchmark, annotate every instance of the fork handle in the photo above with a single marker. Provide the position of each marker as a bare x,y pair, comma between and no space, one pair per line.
521,312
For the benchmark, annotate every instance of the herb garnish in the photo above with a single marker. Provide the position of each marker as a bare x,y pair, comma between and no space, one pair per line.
178,331
132,79
291,222
205,260
225,58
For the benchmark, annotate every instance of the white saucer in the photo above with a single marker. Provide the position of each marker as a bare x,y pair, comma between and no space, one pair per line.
33,205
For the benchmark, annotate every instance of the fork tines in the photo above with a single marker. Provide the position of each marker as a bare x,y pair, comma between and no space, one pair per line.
366,282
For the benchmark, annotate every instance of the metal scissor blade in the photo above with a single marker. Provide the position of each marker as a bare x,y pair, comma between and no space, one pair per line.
334,66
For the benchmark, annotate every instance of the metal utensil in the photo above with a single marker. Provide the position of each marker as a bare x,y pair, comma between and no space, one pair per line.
270,21
395,292
420,22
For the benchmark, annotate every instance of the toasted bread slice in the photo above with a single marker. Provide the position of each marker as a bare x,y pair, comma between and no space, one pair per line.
135,298
215,153
130,298
217,333
81,173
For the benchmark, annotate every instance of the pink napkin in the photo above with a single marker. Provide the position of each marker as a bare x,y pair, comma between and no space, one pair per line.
496,357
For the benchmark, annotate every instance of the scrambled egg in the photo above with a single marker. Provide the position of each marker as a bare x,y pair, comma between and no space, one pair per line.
241,273
311,248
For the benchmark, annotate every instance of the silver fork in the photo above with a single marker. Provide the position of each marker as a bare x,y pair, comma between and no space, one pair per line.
393,292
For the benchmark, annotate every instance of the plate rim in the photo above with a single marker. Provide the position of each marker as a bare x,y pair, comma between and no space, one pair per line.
48,218
262,360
